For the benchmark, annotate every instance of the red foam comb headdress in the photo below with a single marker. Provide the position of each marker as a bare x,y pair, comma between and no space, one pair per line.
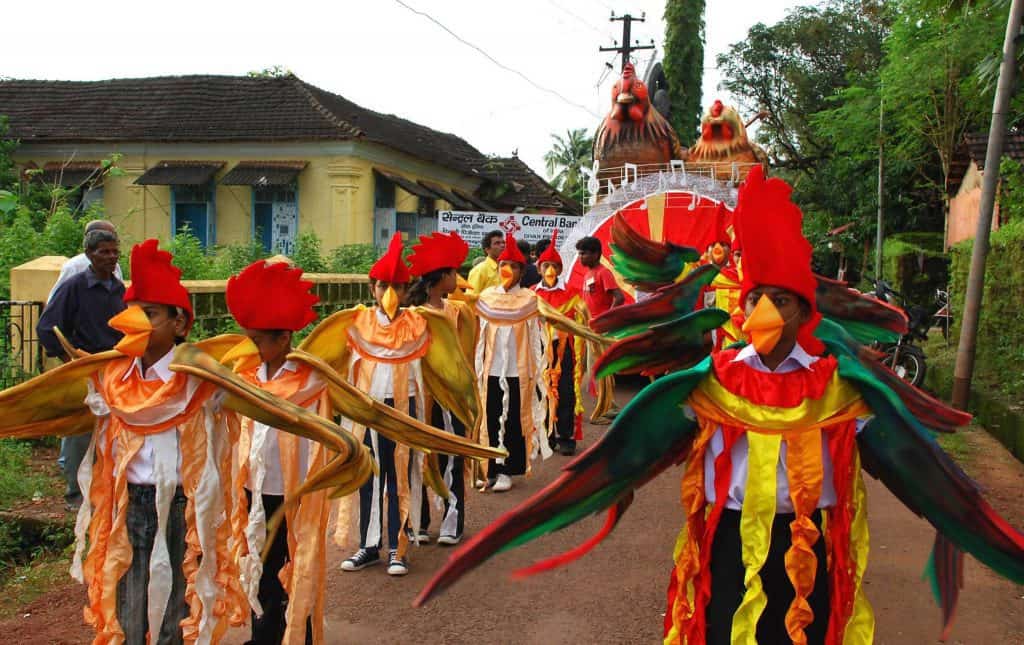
438,251
769,227
392,267
271,296
155,279
511,252
550,254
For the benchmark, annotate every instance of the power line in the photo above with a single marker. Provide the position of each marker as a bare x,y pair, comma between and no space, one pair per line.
498,63
577,17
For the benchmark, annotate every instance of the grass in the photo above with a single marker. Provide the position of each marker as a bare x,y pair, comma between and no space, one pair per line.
27,582
18,482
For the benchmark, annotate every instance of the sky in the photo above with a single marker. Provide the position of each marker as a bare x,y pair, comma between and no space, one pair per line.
383,54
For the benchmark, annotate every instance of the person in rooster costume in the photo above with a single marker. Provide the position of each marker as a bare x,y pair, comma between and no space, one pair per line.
726,288
564,356
398,356
773,436
434,262
286,590
510,367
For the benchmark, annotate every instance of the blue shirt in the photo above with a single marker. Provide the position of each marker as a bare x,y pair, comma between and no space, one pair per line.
81,307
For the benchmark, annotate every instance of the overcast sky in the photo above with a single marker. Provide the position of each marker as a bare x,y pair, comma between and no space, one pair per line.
379,54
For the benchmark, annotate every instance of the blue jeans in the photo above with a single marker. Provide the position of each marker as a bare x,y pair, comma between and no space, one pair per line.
72,451
132,590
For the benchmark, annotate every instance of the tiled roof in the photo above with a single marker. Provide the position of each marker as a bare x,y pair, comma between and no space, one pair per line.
514,184
974,148
213,109
263,173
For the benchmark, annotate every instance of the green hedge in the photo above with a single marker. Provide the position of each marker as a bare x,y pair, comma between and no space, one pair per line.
914,264
1000,350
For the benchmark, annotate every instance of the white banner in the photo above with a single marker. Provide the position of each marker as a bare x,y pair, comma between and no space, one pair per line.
532,227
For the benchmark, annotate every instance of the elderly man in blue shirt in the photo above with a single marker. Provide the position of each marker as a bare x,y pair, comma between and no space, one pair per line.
80,307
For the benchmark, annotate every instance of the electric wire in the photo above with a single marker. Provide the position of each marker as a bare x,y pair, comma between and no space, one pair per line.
536,85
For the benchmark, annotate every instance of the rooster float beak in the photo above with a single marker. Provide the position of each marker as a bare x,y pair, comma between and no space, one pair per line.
135,326
625,98
245,356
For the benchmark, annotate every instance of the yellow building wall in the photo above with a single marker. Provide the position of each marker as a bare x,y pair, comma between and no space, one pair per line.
335,193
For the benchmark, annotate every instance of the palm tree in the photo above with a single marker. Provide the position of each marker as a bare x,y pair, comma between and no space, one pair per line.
567,155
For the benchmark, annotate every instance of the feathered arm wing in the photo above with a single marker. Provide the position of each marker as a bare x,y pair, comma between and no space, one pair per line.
644,263
329,339
865,318
560,321
353,404
650,434
676,344
446,371
53,403
667,303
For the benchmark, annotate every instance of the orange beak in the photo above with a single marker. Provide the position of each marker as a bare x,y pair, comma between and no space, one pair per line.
245,356
507,275
134,324
764,326
550,276
390,303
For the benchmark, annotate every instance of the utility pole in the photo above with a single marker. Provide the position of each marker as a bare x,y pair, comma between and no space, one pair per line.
880,224
627,21
965,351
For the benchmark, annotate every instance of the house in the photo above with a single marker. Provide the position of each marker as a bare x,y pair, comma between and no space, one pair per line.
241,158
963,186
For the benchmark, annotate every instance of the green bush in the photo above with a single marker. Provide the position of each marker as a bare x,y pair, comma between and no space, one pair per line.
353,258
16,482
1000,348
915,265
307,253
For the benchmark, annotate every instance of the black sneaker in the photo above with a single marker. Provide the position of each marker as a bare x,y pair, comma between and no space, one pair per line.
422,538
567,449
361,559
397,565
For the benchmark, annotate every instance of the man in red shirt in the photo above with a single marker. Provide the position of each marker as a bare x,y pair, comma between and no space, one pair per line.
600,290
600,293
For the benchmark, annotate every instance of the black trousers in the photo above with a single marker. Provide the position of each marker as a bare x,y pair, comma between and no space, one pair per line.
515,442
268,629
387,486
727,586
564,431
457,484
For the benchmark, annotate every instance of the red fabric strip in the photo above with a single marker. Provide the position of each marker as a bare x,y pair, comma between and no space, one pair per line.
769,388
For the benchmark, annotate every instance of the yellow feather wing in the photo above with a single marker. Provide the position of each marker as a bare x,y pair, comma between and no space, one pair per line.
446,371
52,403
329,339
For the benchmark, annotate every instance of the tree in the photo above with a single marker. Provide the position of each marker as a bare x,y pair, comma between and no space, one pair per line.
684,64
566,158
794,69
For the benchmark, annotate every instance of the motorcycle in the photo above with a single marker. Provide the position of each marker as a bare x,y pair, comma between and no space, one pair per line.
943,318
904,357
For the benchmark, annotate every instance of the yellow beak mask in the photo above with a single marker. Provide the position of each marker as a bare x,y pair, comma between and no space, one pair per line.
134,324
507,276
550,276
390,303
245,356
764,325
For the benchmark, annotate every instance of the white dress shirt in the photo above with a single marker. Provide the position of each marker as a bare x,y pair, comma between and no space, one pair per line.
504,361
797,359
273,480
382,385
76,265
142,467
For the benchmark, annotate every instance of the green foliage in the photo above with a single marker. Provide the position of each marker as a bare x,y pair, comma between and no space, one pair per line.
190,256
17,483
684,64
307,254
568,155
916,266
1000,349
353,258
1011,190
